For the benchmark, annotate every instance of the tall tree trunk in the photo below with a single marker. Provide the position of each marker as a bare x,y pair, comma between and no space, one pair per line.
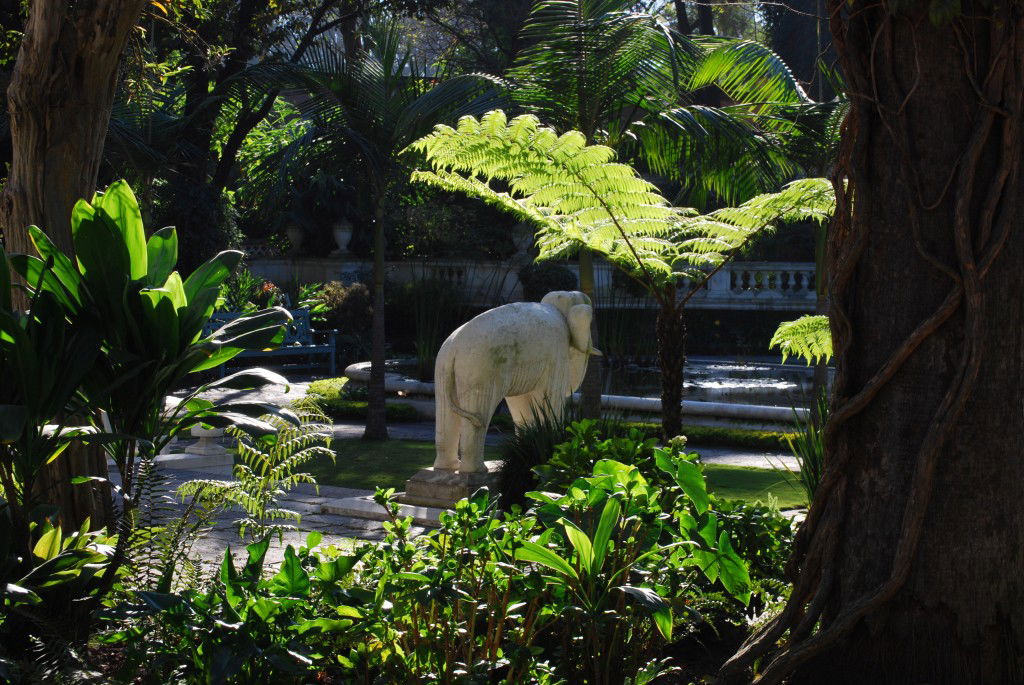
671,334
683,24
376,414
590,388
907,568
59,102
799,33
705,18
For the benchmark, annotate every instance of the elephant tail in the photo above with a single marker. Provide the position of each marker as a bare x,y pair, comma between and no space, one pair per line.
450,392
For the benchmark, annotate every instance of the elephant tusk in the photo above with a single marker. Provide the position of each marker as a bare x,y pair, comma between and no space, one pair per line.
594,352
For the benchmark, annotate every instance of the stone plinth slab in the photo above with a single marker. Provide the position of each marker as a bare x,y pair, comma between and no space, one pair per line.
365,508
442,488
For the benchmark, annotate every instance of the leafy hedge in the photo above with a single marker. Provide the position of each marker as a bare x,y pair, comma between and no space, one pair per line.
342,409
717,436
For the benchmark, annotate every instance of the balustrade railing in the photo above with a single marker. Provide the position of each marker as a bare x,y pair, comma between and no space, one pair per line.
738,285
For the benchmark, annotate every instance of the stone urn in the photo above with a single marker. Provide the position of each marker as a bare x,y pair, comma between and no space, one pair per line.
296,236
209,441
342,231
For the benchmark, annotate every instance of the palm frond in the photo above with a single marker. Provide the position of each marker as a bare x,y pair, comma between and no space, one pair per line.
808,337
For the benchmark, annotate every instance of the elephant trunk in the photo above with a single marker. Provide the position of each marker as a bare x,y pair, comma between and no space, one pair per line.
577,368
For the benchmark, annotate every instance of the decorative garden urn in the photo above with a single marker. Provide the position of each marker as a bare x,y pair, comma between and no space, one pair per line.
342,235
295,236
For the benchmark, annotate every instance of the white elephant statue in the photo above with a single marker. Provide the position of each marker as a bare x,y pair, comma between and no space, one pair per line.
531,354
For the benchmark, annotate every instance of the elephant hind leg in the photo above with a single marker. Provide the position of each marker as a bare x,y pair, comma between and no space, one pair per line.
482,402
447,427
446,439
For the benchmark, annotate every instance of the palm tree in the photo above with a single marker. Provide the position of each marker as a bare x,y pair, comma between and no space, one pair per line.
628,80
373,106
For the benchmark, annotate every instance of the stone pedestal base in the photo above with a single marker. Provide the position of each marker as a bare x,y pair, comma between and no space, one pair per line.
208,444
442,488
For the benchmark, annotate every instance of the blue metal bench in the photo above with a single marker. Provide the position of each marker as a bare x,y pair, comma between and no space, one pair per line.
298,341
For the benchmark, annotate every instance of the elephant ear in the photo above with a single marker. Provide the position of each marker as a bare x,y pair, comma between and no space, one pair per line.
579,318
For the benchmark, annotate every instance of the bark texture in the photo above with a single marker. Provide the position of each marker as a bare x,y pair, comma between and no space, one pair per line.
671,332
907,568
590,388
376,412
59,101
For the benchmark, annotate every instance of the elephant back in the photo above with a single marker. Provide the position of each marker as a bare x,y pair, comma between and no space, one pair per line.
514,344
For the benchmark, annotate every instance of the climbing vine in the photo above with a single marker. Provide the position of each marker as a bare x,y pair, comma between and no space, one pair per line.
864,37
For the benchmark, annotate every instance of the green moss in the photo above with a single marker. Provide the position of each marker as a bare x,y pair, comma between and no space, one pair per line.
328,388
342,409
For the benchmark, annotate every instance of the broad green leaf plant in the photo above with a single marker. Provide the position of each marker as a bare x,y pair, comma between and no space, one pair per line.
43,360
588,585
150,322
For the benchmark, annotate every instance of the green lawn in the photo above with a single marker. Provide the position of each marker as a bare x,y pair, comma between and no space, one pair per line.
367,465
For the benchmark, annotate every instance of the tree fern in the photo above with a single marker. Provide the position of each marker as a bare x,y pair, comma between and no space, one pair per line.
575,193
579,196
266,470
808,337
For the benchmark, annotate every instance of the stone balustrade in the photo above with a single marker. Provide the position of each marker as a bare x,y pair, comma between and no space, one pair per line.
781,286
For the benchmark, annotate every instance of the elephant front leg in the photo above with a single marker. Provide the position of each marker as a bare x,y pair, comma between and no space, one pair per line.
473,438
522,410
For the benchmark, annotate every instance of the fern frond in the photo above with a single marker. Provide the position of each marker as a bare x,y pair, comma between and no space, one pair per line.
575,193
806,199
808,337
579,196
267,469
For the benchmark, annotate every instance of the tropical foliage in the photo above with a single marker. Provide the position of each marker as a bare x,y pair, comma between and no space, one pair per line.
128,329
627,79
265,471
586,586
808,337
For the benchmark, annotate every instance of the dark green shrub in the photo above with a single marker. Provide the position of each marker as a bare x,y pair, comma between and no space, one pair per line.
523,451
329,388
718,436
589,441
347,308
543,277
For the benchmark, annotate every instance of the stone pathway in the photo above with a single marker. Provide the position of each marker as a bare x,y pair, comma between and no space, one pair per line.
307,500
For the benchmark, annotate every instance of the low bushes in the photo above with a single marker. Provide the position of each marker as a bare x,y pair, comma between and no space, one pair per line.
716,436
341,409
590,584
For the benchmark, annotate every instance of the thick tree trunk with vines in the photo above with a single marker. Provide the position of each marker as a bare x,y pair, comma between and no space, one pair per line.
59,101
376,414
908,566
671,333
